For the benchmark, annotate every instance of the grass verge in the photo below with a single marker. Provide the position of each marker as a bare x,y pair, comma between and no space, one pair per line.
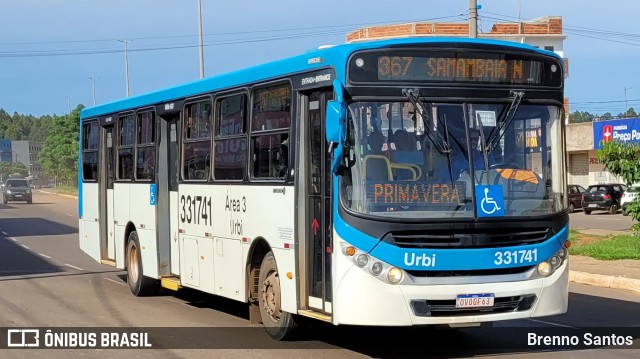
604,248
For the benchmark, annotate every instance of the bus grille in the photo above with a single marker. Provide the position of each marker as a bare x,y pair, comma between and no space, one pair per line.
474,238
442,308
467,273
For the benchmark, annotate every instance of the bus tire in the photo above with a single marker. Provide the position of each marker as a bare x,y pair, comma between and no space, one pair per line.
279,325
138,283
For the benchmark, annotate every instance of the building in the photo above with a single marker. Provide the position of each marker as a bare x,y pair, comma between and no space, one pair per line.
27,153
585,139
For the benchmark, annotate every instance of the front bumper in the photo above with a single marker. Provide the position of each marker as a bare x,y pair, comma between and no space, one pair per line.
365,300
18,197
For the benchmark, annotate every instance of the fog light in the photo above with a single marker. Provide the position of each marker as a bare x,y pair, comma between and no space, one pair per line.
394,275
555,261
376,268
362,260
545,269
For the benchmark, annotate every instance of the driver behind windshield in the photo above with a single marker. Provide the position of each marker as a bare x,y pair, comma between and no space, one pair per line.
459,161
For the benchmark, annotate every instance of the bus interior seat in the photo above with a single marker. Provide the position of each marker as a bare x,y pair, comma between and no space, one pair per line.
377,167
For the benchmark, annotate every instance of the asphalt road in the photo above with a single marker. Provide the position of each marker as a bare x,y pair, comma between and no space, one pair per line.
600,220
46,281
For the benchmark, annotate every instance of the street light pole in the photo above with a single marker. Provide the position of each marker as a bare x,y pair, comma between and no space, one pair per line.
93,79
200,33
126,63
626,107
69,103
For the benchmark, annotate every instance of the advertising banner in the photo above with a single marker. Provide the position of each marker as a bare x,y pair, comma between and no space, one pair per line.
627,130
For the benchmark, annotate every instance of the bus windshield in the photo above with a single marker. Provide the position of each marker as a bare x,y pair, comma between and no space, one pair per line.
419,159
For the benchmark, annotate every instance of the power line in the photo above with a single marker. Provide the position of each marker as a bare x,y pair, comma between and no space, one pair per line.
262,31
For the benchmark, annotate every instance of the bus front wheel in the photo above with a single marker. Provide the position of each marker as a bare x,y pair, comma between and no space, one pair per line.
280,325
138,283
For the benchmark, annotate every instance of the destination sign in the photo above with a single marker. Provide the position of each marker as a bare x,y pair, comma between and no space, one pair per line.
455,67
415,193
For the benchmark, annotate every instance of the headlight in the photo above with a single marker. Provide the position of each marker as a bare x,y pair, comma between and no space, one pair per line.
563,253
394,275
362,260
28,191
545,269
376,268
8,191
555,261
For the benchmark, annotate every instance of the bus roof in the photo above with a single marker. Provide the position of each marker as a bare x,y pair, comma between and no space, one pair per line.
337,54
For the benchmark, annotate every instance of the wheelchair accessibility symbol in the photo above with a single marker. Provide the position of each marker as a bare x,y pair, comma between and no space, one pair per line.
489,201
152,194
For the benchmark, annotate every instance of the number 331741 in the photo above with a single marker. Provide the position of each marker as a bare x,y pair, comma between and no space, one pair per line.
195,209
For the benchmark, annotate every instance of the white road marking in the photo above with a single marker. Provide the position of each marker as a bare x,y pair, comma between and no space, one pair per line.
70,215
5,233
115,281
25,246
72,266
13,239
44,255
551,323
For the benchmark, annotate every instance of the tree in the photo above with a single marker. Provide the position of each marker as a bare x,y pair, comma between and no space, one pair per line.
59,156
580,116
623,160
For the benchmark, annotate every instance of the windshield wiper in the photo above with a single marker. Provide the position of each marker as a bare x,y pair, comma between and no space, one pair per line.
441,144
504,121
438,142
485,154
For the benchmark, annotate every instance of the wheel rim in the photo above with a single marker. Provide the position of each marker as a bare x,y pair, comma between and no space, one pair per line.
133,263
271,296
614,208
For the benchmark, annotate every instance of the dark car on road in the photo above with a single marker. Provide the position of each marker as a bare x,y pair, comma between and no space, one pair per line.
575,197
603,197
17,189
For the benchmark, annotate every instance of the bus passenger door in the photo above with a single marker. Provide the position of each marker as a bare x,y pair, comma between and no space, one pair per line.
318,220
107,176
167,180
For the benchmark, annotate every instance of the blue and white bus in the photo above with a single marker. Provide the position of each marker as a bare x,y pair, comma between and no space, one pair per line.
384,183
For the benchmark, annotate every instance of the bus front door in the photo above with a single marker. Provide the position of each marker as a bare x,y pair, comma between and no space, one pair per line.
318,218
107,176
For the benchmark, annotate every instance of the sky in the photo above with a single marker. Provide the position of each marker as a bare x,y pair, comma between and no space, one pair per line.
53,54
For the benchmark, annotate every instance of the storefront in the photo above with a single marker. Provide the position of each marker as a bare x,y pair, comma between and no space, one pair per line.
583,142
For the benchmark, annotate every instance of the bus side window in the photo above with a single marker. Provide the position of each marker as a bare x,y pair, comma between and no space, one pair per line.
197,142
145,148
126,126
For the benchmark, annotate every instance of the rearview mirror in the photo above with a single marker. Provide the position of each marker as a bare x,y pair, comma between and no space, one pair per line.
335,120
336,126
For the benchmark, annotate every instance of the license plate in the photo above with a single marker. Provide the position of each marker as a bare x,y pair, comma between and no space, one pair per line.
593,205
474,300
18,196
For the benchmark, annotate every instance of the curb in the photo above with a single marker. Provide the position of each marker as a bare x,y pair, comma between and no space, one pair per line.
60,194
605,281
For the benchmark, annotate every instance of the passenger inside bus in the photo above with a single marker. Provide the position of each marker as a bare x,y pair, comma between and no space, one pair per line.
377,141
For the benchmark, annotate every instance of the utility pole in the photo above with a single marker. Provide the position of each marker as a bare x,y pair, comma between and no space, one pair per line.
626,107
201,44
473,18
126,63
93,79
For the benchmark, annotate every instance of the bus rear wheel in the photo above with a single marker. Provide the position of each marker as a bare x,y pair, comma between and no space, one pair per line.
138,283
279,325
